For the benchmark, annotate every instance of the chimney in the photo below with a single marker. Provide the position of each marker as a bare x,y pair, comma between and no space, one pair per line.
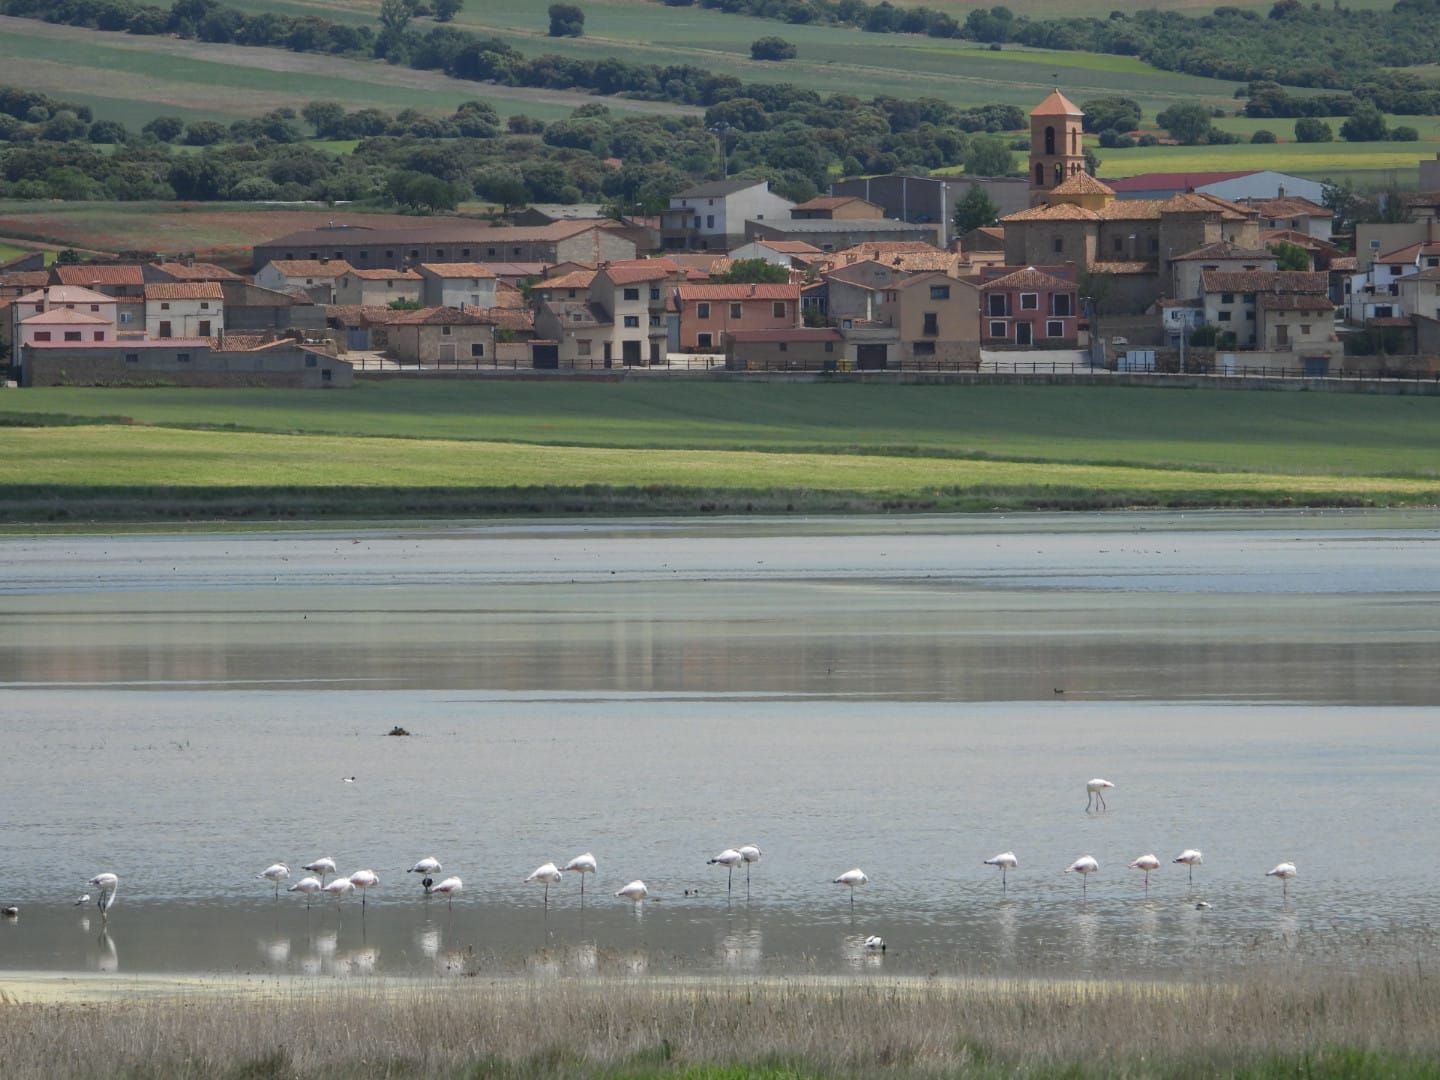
752,290
1280,192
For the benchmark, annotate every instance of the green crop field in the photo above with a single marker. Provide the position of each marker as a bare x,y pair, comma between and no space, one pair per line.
959,447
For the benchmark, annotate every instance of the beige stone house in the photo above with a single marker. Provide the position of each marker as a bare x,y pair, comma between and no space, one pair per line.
440,336
314,277
192,309
1231,299
377,288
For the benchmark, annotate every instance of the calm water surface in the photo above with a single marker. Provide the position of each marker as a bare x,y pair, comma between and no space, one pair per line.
181,710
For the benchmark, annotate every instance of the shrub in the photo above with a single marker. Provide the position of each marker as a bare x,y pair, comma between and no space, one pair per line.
1404,133
1308,129
1263,136
772,48
566,20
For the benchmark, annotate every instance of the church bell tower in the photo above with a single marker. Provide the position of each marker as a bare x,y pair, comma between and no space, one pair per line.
1057,150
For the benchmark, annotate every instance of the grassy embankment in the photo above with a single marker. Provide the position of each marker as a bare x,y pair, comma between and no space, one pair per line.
1267,1026
474,449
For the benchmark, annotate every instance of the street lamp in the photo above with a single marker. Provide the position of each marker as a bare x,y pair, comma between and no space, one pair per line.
720,130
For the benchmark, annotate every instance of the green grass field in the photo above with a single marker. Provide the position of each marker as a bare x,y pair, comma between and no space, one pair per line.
478,447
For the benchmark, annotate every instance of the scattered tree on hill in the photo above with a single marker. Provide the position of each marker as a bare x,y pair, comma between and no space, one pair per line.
1187,124
566,20
445,10
1365,124
422,192
1290,256
1263,136
1111,114
988,156
1404,133
752,272
974,211
1309,129
772,48
395,16
164,128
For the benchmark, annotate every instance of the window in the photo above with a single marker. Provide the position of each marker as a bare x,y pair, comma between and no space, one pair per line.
73,335
1154,245
99,335
736,311
932,324
997,329
1374,245
1118,244
325,375
391,254
582,346
632,294
413,254
126,317
364,256
939,292
42,335
702,311
923,348
1058,244
709,221
784,346
164,307
995,304
829,346
1227,298
204,327
489,251
705,341
339,255
182,358
654,294
1224,316
777,309
94,307
204,305
132,357
697,221
1063,303
477,348
632,322
165,330
444,331
654,320
1217,268
1304,328
440,253
1029,301
1054,328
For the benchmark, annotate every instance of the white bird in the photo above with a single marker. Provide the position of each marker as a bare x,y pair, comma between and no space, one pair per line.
875,941
348,779
448,888
1201,905
582,865
339,888
852,878
751,854
1284,871
107,884
426,867
1147,863
1191,858
364,880
307,885
1084,866
321,866
1006,861
729,858
84,899
548,874
1095,793
635,891
276,873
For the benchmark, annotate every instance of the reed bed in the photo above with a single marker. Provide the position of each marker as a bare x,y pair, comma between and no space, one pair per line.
1266,1025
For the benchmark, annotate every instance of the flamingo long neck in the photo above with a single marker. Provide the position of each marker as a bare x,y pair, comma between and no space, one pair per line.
107,896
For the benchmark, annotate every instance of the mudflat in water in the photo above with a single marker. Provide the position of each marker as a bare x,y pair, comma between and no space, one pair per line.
181,710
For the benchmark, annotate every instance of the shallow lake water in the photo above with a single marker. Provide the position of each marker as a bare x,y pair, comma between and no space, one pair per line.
905,695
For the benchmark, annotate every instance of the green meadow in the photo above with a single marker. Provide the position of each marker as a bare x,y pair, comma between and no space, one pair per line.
491,447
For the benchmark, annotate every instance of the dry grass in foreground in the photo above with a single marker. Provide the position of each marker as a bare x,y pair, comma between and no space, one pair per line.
1379,1024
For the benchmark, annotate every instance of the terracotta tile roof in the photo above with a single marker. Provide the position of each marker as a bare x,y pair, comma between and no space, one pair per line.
1431,274
184,290
1309,301
300,268
1289,206
1257,281
1343,262
1057,212
99,274
1198,202
790,247
1056,104
829,202
25,279
458,270
517,319
1028,278
1390,320
65,294
627,275
508,296
440,316
1409,253
200,271
1122,266
360,314
576,279
1224,249
65,315
1081,183
384,275
738,292
700,262
1299,239
241,342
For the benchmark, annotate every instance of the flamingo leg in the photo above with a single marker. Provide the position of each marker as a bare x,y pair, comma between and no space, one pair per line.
729,879
1004,885
747,881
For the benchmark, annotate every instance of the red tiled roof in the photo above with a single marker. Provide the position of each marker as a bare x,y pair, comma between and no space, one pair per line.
200,271
738,292
1256,281
1290,206
459,270
298,268
184,290
1028,278
25,279
439,316
790,247
1286,301
384,275
626,275
99,274
1081,183
576,279
64,315
829,202
1056,104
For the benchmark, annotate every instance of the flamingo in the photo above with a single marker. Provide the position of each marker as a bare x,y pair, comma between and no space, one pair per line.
875,941
1084,866
276,872
582,865
852,878
634,892
107,884
1147,863
547,875
426,867
751,854
309,886
448,888
1284,871
1095,792
729,858
1191,858
321,866
1006,861
364,880
340,887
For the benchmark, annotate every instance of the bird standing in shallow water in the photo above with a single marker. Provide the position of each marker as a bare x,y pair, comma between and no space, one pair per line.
1084,866
876,942
448,888
751,854
1095,794
1147,863
851,879
634,892
548,874
729,858
308,887
275,873
321,866
107,884
364,880
582,865
1284,871
1006,861
426,867
1191,858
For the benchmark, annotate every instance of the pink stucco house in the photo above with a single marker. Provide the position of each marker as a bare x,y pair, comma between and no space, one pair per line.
708,311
